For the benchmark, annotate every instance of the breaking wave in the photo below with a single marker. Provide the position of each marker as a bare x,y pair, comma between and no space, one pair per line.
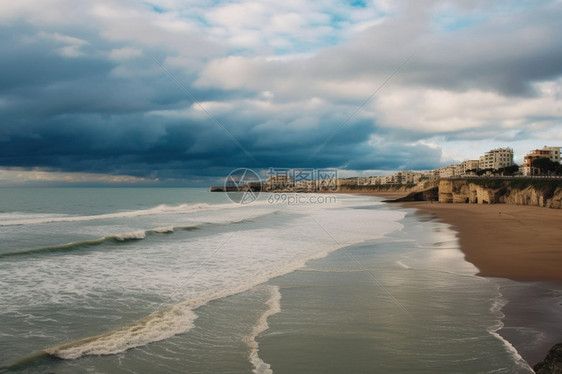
160,209
496,308
177,319
116,239
274,304
158,326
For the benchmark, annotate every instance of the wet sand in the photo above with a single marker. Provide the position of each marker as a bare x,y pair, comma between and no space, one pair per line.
509,241
522,243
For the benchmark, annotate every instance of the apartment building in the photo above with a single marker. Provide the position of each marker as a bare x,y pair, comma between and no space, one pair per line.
408,177
552,153
468,165
496,159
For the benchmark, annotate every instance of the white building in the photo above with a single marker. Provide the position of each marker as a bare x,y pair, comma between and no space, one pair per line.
449,171
431,175
554,153
469,165
496,159
408,177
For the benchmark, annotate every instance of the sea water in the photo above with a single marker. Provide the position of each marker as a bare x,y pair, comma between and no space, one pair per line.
185,281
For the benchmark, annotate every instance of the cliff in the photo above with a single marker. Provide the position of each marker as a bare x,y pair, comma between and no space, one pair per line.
516,191
552,364
539,192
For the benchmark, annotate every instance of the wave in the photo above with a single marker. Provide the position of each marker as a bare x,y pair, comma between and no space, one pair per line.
180,317
161,325
134,235
24,362
158,326
274,304
19,219
125,237
496,308
168,322
116,239
160,209
164,230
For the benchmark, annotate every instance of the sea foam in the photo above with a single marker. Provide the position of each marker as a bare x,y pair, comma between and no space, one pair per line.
274,307
157,326
133,235
34,219
496,308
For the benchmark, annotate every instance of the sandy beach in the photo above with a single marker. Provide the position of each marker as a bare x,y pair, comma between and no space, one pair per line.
522,243
510,241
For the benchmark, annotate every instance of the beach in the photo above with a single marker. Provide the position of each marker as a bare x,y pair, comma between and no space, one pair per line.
520,243
509,241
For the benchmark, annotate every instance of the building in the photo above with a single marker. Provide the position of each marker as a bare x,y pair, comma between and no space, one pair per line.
389,179
375,181
496,159
449,171
552,153
279,182
408,177
431,175
469,166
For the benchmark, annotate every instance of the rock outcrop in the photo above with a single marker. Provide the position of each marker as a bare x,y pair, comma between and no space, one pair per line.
552,363
542,193
462,191
430,194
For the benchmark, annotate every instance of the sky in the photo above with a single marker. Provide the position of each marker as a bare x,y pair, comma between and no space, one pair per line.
170,92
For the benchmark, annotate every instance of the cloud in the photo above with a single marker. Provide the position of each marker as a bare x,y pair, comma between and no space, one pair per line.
70,46
124,53
14,177
441,111
372,85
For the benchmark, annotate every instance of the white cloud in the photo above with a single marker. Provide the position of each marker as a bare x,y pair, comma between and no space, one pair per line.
124,53
71,45
431,110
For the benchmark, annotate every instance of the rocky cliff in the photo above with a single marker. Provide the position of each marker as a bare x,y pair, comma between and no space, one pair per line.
537,192
552,364
544,193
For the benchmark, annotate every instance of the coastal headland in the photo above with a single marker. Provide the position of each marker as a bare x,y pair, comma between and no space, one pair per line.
512,191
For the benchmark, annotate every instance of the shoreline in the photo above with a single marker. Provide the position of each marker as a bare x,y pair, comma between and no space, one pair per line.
517,242
497,240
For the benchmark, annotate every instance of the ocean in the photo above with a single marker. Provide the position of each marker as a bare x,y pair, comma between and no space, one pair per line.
141,280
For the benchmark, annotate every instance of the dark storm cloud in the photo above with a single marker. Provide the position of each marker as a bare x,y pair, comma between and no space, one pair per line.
91,98
74,114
